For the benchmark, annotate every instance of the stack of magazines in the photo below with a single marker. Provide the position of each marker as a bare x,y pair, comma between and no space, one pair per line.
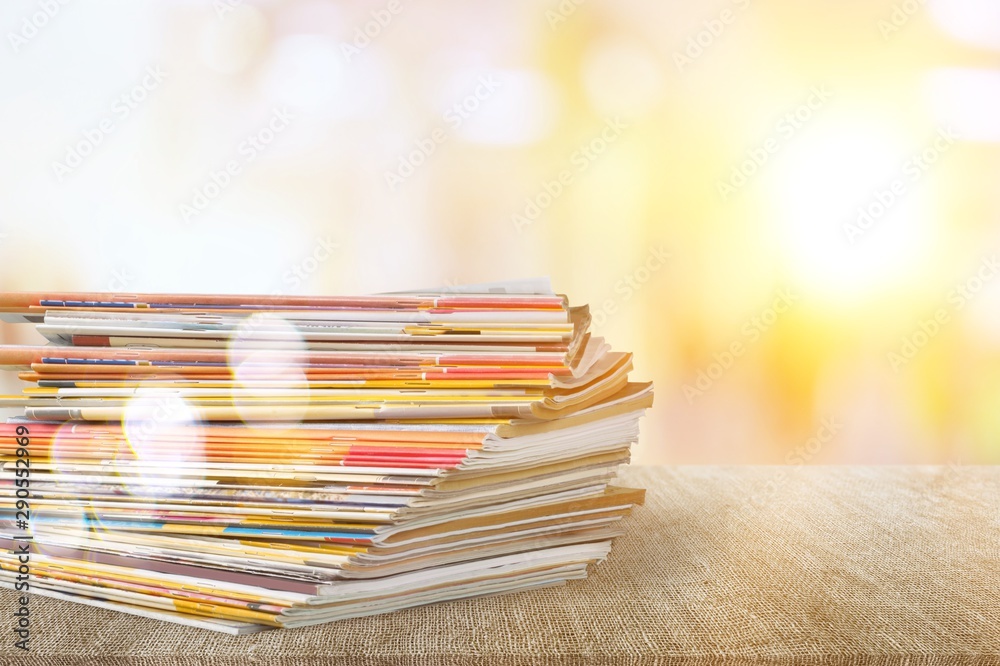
248,462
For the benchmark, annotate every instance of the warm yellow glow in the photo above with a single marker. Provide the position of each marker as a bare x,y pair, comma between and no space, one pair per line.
851,210
327,148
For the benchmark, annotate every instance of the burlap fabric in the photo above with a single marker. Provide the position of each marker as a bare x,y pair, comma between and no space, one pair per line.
739,565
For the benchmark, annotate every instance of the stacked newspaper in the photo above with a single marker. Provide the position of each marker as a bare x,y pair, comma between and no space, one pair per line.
248,462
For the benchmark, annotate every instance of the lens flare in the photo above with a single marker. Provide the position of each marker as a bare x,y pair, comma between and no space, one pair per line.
165,443
852,207
268,353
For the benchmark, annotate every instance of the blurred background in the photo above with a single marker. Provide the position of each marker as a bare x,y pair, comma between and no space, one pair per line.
789,211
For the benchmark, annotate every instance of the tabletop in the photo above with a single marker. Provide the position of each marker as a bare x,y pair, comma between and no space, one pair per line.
722,565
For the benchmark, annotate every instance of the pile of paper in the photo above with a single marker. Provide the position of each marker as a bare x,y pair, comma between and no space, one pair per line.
243,462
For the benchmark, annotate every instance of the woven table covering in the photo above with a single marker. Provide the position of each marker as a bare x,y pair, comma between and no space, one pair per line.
723,565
